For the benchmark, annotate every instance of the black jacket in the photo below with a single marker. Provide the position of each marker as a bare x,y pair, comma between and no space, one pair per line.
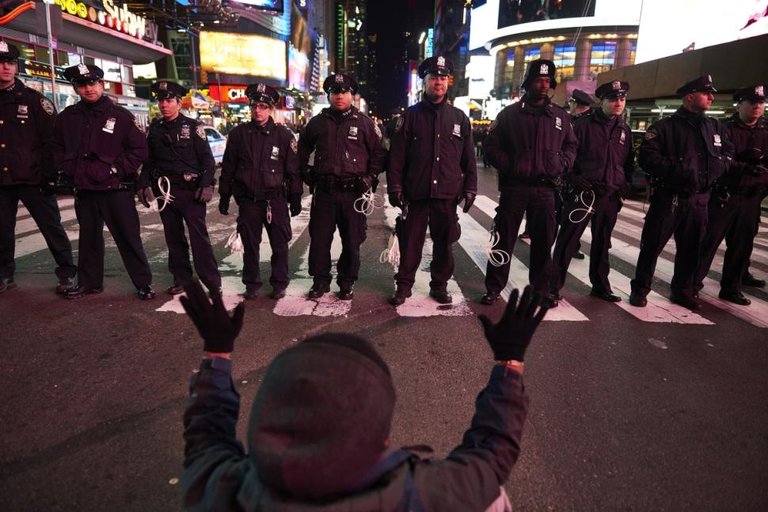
749,142
605,156
432,153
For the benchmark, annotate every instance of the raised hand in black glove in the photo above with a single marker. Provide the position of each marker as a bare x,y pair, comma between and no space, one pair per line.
510,337
224,204
469,200
396,199
295,202
578,182
213,323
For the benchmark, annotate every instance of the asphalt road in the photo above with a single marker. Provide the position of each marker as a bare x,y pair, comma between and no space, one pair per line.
631,409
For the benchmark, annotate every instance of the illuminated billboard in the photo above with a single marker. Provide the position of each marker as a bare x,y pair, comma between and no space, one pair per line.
516,12
241,54
738,19
267,5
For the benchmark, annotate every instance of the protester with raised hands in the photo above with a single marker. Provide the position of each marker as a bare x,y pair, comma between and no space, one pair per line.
319,427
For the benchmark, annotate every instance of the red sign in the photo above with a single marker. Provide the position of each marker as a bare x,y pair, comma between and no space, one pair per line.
228,93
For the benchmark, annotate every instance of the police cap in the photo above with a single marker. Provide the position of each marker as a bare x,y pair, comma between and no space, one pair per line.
8,52
700,84
581,97
753,94
437,65
340,83
614,89
164,90
539,68
262,93
83,73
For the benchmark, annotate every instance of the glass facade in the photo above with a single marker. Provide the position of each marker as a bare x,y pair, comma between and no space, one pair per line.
564,58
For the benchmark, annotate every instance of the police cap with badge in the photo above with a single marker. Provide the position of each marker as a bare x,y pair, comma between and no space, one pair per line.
700,84
262,93
83,74
614,89
540,68
340,83
437,65
752,94
8,52
165,90
581,97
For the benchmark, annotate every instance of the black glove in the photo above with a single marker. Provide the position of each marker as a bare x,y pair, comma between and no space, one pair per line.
213,323
469,200
224,204
396,199
295,201
204,194
145,196
510,337
578,182
751,156
48,188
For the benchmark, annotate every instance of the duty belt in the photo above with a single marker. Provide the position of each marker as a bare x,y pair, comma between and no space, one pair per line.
330,183
186,180
534,181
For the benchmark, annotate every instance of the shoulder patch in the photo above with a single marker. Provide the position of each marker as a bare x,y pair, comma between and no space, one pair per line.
47,106
200,131
294,145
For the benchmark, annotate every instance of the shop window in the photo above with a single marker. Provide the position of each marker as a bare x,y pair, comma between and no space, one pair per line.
603,58
564,58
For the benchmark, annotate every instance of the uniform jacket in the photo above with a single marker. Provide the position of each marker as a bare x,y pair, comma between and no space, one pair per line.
432,153
605,156
218,475
260,160
528,144
745,140
345,144
25,132
686,153
99,145
178,147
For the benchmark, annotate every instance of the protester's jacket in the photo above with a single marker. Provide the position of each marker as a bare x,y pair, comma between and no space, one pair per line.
99,146
605,156
345,144
529,144
260,162
686,152
26,126
219,475
432,153
749,168
177,148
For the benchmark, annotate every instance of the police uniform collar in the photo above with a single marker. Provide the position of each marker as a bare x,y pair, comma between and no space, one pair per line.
687,114
546,107
266,127
98,104
760,124
13,86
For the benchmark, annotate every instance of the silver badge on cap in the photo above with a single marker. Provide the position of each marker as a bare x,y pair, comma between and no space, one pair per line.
759,90
441,62
82,69
339,79
163,86
616,85
3,47
260,88
544,69
709,79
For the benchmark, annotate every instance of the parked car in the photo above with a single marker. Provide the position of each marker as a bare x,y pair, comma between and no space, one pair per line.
218,143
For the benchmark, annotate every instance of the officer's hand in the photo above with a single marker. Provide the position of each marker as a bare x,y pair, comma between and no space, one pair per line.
578,182
751,155
48,188
213,322
145,196
396,199
510,337
224,204
295,201
204,194
469,200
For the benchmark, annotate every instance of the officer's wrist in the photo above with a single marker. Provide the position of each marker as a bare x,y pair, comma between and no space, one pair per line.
512,364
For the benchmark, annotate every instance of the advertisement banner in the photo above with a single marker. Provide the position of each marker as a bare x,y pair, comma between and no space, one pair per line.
240,54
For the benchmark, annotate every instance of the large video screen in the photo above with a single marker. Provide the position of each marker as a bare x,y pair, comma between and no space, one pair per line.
267,5
241,54
515,12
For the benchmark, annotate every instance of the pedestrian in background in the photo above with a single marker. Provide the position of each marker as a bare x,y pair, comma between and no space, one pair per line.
99,147
348,156
261,170
28,174
431,169
180,170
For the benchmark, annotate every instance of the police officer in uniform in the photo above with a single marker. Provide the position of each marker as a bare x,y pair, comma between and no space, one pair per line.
734,209
261,170
431,169
181,162
603,167
348,156
685,154
27,172
532,144
99,147
579,104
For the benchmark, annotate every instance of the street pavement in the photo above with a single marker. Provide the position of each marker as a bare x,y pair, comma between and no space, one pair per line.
655,408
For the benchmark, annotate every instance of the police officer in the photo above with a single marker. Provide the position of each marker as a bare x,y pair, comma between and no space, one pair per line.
181,165
261,169
603,167
684,154
348,157
734,208
99,146
579,104
27,172
431,169
532,144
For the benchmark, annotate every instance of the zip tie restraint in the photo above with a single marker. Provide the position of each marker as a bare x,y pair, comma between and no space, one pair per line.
164,185
588,208
496,257
234,243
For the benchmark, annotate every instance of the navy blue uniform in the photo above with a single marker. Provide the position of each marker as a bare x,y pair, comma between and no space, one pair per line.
531,147
26,169
684,154
432,163
179,151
